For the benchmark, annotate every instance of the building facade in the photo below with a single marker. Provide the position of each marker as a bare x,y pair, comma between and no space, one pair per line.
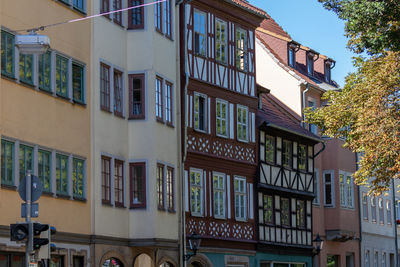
136,133
285,181
45,109
298,76
220,99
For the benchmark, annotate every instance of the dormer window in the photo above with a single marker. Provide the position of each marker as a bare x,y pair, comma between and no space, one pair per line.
293,47
310,64
329,64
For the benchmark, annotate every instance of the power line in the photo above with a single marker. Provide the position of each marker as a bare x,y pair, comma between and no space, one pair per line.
41,28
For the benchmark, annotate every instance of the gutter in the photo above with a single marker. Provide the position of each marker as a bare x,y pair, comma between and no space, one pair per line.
395,226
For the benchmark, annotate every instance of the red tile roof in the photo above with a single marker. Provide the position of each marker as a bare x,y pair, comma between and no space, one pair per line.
247,5
278,115
271,25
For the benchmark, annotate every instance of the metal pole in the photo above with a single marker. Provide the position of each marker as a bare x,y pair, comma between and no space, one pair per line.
28,216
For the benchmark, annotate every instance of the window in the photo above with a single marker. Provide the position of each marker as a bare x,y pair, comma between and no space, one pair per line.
365,205
220,39
367,260
160,186
44,169
302,157
78,175
242,123
200,45
381,211
78,261
200,112
104,87
241,49
61,174
383,259
105,7
168,16
79,4
310,64
388,212
26,68
45,71
106,180
158,16
240,198
118,99
222,117
7,54
373,208
170,189
270,148
397,209
328,192
78,83
159,99
196,192
61,76
346,190
117,5
136,96
11,259
25,160
119,183
316,187
327,72
285,210
376,259
291,58
300,214
168,103
332,261
138,184
287,153
135,15
268,209
219,195
7,162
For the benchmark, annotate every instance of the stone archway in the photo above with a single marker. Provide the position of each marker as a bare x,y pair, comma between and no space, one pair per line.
112,262
200,260
112,258
143,260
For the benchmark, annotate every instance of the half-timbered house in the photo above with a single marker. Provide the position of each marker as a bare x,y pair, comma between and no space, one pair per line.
285,181
220,100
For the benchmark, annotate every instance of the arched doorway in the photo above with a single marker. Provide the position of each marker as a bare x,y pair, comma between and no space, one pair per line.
143,260
112,262
195,264
166,264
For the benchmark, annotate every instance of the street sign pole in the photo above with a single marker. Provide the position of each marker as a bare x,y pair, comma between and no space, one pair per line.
28,217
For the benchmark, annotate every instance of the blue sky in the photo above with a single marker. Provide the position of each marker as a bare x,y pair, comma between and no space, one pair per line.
310,24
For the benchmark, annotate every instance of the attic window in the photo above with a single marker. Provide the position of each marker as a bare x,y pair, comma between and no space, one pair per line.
310,64
291,57
293,47
327,72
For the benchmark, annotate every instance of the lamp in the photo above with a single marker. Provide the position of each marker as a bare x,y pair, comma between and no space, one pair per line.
319,242
194,244
32,43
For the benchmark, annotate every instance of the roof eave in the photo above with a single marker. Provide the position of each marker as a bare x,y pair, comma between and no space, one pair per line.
247,9
315,139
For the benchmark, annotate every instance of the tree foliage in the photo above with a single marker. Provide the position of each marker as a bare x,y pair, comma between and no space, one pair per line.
367,114
372,26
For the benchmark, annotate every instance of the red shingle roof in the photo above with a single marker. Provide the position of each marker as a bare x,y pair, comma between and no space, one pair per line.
278,115
247,5
271,25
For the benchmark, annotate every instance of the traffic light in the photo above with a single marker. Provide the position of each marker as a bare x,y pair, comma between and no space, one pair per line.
19,231
44,241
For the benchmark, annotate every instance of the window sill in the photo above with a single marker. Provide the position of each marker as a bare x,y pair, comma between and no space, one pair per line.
63,97
170,125
83,12
79,198
79,102
119,115
161,209
196,215
140,27
219,218
106,203
106,110
119,205
243,140
8,76
46,91
9,187
47,193
171,210
27,84
160,120
141,117
222,136
200,131
137,207
169,37
119,24
64,2
159,31
200,55
64,196
241,219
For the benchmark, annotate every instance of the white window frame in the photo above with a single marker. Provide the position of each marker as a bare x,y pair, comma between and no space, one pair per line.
219,41
197,113
364,204
240,179
242,124
317,198
220,190
242,50
346,190
200,187
332,183
222,102
381,211
373,209
169,104
201,52
389,212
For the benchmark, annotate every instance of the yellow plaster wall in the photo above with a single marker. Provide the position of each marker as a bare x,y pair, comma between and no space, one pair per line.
38,118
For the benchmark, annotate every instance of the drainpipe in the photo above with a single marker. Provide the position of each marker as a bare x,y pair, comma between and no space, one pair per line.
182,21
396,254
359,217
304,103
